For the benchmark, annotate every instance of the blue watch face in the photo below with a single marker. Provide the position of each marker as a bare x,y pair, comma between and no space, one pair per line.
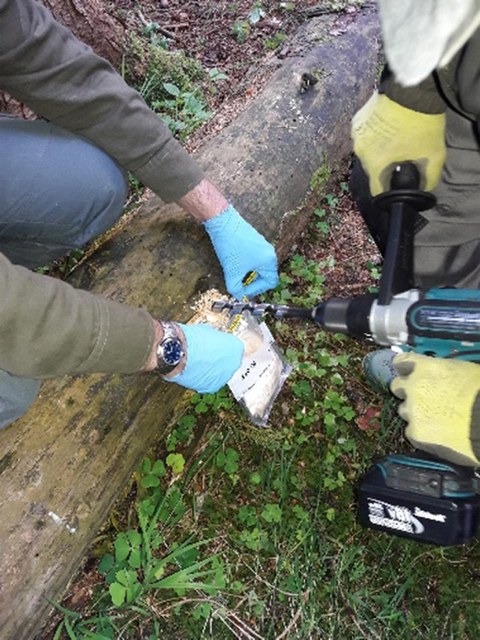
172,351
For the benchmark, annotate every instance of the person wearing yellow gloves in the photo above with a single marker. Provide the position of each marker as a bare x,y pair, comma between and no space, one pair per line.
426,110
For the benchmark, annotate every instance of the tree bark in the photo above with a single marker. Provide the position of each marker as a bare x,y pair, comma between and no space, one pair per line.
65,462
90,21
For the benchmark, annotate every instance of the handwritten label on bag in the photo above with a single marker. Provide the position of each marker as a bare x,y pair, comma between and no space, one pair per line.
255,366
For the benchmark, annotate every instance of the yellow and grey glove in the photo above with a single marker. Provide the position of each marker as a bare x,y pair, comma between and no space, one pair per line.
385,133
441,403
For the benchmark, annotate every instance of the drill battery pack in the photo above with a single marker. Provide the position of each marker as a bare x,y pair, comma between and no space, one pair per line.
421,498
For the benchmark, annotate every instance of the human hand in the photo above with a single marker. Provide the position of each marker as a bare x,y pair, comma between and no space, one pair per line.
385,133
242,250
212,357
441,403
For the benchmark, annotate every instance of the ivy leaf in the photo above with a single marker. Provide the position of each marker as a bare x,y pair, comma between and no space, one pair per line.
135,560
231,465
146,466
221,459
255,478
158,468
106,564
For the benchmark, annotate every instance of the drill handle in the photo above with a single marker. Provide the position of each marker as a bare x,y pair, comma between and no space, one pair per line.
401,204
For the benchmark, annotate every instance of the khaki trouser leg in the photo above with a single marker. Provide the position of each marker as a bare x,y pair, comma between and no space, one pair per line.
447,249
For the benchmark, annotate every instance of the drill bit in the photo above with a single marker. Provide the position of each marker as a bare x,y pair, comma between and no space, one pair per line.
260,309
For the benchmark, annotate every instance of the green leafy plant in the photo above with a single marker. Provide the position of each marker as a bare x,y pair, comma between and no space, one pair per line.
142,562
204,402
151,474
322,224
153,32
272,513
375,271
256,14
176,462
175,86
275,41
241,30
182,111
228,461
216,76
182,432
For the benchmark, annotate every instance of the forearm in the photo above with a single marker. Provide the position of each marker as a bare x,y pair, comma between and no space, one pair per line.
205,201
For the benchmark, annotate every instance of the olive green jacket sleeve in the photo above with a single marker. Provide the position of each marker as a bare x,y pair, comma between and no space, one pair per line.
47,328
61,79
425,97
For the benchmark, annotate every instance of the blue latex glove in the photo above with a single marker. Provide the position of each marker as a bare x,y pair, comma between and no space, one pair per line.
242,250
212,358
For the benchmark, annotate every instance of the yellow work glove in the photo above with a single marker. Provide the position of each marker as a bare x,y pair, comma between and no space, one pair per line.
441,403
384,133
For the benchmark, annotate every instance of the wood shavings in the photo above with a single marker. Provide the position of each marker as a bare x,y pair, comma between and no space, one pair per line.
204,312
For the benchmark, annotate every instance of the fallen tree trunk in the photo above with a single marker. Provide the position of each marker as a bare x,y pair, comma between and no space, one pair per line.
90,21
93,24
66,461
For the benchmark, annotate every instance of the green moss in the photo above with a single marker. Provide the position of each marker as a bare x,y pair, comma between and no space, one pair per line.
320,178
156,66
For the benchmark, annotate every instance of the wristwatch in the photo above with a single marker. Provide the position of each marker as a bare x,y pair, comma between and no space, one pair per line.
169,350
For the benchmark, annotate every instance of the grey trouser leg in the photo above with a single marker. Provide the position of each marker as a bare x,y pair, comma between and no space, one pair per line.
57,192
16,395
447,246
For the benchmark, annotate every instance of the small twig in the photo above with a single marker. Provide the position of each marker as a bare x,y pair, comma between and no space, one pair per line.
162,30
237,625
268,584
313,12
166,33
291,624
165,609
179,25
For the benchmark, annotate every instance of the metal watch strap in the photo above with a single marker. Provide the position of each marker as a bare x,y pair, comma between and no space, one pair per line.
169,349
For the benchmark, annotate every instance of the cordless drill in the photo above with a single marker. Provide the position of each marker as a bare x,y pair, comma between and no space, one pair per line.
416,496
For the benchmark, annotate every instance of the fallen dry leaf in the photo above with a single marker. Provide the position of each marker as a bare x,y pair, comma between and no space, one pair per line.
370,420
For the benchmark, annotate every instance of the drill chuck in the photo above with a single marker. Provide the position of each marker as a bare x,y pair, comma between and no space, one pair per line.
346,315
363,317
388,323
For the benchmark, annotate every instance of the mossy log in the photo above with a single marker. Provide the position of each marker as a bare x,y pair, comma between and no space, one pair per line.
64,463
